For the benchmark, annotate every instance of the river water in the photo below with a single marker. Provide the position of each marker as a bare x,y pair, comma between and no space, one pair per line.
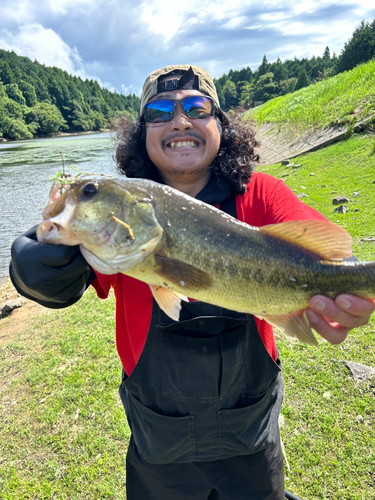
26,168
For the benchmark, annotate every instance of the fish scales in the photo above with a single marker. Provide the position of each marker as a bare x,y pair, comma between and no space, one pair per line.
172,241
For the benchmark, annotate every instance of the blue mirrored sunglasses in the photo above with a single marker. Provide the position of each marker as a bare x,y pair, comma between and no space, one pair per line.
162,110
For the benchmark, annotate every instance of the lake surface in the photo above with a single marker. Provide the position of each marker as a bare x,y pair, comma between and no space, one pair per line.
26,168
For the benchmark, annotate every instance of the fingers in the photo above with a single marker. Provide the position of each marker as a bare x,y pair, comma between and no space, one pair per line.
333,319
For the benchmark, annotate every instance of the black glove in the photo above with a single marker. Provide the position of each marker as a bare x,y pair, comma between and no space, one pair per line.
53,275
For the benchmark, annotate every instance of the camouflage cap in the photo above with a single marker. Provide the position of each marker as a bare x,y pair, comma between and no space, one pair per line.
193,77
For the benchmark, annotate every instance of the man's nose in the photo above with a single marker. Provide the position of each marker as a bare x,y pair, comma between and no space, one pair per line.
180,121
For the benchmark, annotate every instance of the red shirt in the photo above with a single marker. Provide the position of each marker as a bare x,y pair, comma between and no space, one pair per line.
267,201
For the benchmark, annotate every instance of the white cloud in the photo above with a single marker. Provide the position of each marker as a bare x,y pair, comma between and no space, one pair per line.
64,6
121,41
43,44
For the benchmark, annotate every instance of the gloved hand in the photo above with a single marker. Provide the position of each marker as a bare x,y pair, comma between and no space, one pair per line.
48,273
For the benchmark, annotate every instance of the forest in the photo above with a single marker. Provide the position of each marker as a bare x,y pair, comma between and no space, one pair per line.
36,100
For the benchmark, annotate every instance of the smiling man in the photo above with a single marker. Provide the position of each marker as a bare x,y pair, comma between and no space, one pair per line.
202,395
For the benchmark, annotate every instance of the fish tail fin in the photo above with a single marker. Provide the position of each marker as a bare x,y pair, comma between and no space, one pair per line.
295,325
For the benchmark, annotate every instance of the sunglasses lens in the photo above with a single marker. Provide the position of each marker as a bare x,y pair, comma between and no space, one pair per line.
159,111
162,110
197,106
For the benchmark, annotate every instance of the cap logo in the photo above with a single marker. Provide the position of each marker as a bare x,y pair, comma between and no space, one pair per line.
188,81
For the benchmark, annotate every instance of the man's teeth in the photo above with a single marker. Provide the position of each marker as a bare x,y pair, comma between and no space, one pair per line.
183,144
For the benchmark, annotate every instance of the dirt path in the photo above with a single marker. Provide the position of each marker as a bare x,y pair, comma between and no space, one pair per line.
20,318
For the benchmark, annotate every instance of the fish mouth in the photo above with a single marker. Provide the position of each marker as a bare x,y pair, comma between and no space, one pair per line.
52,232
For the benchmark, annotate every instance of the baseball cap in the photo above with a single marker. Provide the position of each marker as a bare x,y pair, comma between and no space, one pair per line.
193,77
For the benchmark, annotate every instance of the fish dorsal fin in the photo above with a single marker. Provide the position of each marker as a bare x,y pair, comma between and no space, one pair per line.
168,301
329,241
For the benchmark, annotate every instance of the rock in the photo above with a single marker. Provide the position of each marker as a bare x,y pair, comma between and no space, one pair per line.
10,305
356,210
340,199
281,420
294,166
355,194
294,190
285,162
342,209
323,186
360,371
360,419
333,192
302,195
370,239
312,173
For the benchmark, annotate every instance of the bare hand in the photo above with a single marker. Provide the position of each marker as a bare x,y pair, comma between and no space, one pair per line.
333,319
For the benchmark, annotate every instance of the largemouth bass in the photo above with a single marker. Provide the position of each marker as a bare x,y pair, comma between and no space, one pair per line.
183,247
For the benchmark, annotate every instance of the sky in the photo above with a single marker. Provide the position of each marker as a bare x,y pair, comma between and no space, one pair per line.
119,42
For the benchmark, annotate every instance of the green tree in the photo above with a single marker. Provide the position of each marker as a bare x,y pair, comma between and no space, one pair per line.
303,79
17,130
6,74
14,93
360,48
28,92
45,118
220,94
246,95
230,94
326,55
263,68
265,88
287,86
279,70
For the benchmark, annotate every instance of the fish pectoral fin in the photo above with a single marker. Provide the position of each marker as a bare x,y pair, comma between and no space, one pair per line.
168,301
182,274
329,241
295,325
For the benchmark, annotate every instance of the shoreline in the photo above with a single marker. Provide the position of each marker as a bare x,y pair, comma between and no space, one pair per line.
57,135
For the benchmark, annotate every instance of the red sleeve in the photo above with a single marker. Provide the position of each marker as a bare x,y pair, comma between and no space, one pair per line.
269,201
133,314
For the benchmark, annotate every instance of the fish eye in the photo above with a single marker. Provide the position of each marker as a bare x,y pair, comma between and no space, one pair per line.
89,190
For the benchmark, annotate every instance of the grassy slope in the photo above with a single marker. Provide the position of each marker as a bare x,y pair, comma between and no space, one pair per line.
345,98
66,361
332,454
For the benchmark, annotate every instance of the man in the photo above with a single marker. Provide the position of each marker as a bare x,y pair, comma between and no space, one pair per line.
202,395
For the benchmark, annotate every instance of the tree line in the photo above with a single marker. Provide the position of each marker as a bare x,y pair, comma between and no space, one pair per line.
246,87
40,100
36,100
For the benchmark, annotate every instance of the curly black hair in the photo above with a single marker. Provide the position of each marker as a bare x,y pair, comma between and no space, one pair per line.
234,163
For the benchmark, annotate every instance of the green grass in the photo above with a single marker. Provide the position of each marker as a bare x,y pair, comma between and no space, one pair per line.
331,454
66,361
63,433
345,98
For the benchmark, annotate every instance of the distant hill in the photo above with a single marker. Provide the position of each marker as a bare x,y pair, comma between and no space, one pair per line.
345,99
40,100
